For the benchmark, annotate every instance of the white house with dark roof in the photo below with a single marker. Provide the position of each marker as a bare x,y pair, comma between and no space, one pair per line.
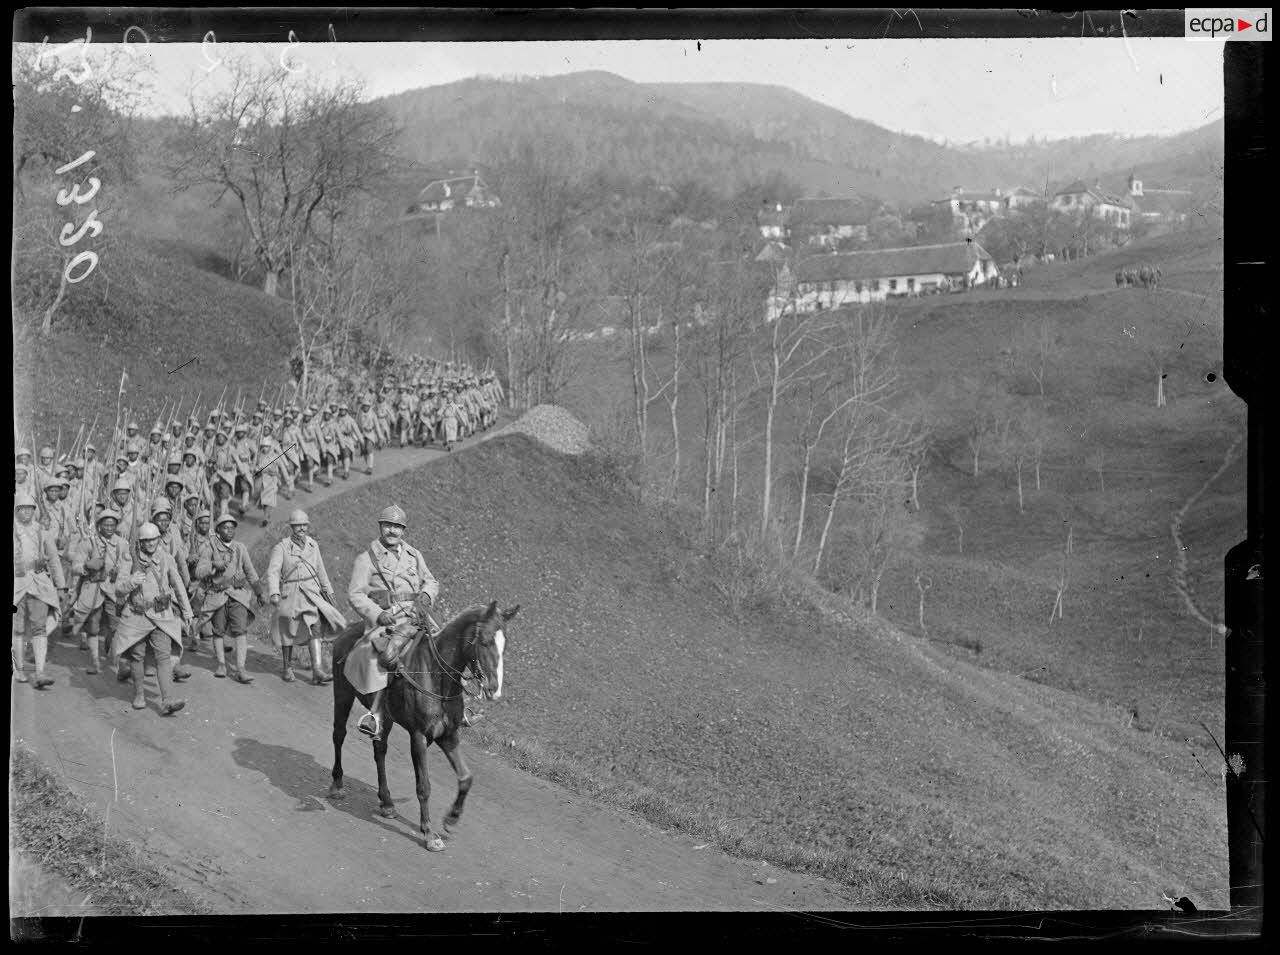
818,282
1078,197
441,195
970,211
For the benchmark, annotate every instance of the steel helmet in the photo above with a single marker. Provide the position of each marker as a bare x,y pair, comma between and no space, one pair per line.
175,458
190,496
23,499
241,427
21,452
299,516
162,506
107,512
393,515
148,532
46,452
266,442
122,485
156,429
132,426
224,517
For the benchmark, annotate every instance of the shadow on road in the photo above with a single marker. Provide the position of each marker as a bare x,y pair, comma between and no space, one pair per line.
300,776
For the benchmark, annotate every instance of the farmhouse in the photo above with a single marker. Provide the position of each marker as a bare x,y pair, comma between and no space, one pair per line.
1078,197
771,220
441,195
1022,197
824,222
831,281
970,211
1159,205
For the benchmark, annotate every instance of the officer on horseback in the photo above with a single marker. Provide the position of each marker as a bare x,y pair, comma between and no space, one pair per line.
391,589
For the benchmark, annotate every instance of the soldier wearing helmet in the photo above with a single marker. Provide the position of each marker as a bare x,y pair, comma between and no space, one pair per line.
370,432
245,453
39,589
450,416
223,463
134,441
310,454
97,563
349,438
391,589
328,443
272,473
43,473
153,610
122,500
302,598
227,577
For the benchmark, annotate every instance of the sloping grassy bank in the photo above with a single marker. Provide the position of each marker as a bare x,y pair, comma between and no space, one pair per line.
803,733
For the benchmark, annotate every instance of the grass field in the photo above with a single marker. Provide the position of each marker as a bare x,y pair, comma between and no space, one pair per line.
922,779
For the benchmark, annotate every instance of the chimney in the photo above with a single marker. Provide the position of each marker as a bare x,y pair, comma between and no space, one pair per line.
778,207
999,191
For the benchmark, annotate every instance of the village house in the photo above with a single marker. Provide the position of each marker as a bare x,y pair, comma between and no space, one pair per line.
1021,198
441,195
833,280
1159,206
771,220
825,222
1078,197
970,211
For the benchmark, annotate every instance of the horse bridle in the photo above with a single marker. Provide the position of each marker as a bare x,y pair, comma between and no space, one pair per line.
459,675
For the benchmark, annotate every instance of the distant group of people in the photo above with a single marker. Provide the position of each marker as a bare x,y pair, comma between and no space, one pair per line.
140,558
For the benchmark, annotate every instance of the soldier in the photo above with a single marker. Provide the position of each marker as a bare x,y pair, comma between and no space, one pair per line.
187,520
93,468
148,596
328,443
153,450
43,473
133,440
244,452
171,543
302,598
223,465
271,474
349,438
253,433
39,589
291,442
56,518
97,563
404,417
449,416
226,574
123,499
391,589
370,432
310,448
191,449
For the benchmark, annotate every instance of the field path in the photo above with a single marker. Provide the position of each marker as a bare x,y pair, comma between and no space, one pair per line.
228,798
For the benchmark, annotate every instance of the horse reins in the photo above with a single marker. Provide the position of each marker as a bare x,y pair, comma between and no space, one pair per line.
460,675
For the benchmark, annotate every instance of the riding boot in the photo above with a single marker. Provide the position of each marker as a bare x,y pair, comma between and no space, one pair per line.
92,643
318,675
19,659
136,671
286,660
242,654
220,653
180,672
40,644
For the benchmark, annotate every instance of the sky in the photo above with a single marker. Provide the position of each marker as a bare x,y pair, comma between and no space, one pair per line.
959,90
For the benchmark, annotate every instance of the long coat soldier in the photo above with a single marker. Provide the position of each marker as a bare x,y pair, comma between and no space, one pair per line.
391,589
302,597
153,608
39,589
98,562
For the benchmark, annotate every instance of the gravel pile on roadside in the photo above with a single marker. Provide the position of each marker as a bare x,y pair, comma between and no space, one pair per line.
553,426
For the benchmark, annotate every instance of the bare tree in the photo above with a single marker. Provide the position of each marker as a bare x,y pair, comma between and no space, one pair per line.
1035,347
959,517
1096,460
285,147
1056,612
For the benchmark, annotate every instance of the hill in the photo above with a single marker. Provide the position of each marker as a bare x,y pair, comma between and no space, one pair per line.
918,778
727,135
164,309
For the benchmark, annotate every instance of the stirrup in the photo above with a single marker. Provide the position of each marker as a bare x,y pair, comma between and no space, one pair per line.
370,725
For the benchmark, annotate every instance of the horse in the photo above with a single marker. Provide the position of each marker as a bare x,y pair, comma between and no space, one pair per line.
426,701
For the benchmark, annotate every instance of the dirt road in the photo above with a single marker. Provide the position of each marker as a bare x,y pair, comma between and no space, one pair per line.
228,798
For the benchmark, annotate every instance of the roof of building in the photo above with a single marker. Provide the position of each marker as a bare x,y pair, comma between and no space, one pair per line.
951,258
1024,191
845,210
964,196
454,188
1078,188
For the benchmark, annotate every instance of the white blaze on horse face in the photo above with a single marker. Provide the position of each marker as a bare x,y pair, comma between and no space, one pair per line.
499,641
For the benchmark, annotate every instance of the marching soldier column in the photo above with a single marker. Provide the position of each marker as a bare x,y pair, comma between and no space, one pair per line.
117,542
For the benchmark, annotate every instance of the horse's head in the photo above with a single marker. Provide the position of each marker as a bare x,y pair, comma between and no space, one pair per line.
487,640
